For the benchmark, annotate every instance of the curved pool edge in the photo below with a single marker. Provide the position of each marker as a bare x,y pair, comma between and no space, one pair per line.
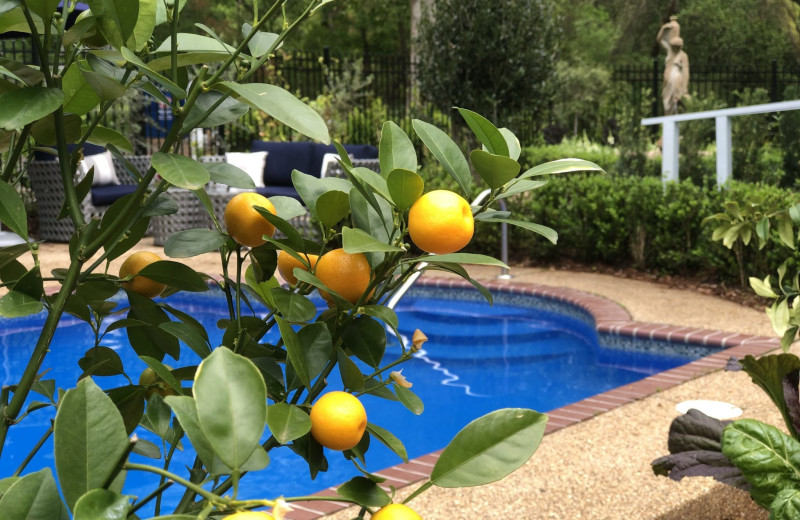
610,318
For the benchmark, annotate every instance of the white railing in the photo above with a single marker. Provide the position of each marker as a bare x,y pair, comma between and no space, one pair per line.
671,137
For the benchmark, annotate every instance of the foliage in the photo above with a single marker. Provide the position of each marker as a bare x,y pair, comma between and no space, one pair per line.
245,396
508,70
580,147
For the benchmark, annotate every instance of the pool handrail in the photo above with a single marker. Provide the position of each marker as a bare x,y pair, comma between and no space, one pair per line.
504,274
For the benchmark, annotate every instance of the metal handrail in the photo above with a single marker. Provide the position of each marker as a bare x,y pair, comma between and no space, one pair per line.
504,274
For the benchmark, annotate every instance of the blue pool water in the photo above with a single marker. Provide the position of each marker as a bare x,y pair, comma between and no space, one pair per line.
478,358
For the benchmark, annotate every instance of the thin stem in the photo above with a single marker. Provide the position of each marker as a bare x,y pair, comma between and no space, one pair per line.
33,452
214,499
157,493
16,153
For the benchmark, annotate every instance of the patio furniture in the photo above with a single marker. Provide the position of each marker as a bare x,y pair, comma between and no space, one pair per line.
45,178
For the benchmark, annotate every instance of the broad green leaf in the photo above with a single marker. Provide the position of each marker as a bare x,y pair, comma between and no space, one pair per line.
101,361
231,405
15,304
383,313
769,373
374,179
561,166
103,136
189,334
366,338
514,148
145,24
351,375
311,188
459,258
175,274
489,448
225,110
14,20
116,19
294,350
317,344
193,242
786,505
261,42
495,170
287,207
409,399
389,440
520,186
762,287
364,491
12,210
89,440
165,82
396,151
187,42
332,207
22,72
486,132
187,60
26,105
405,187
786,231
43,8
355,240
185,410
32,497
230,175
162,15
287,422
283,106
107,89
44,130
102,504
180,170
79,97
778,314
294,307
768,458
548,233
446,152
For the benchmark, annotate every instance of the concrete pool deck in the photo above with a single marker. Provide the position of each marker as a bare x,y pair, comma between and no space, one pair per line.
595,462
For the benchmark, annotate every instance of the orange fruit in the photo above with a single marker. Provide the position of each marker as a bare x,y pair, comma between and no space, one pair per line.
244,223
287,263
396,512
441,222
249,515
349,275
139,284
338,420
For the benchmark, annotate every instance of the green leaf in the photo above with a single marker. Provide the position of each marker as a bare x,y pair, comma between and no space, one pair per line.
193,242
175,274
145,24
15,304
108,89
489,448
261,42
514,148
355,240
769,373
332,207
520,186
283,106
25,105
102,504
548,233
32,497
163,17
762,287
180,170
409,399
768,458
310,188
351,375
396,151
163,81
785,231
227,111
185,410
486,132
495,170
364,492
294,350
366,338
317,347
405,187
786,505
44,8
446,152
12,210
294,307
287,422
116,19
231,405
383,313
101,361
458,258
89,440
189,334
561,166
230,175
103,136
43,131
79,97
389,440
187,42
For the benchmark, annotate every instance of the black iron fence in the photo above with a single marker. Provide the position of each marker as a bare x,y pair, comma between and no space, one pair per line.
722,82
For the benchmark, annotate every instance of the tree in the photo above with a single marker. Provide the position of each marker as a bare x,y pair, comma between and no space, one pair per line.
495,58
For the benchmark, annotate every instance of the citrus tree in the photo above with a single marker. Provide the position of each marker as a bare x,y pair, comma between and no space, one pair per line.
246,396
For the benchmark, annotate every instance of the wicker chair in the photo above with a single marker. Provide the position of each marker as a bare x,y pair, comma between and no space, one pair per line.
334,169
45,178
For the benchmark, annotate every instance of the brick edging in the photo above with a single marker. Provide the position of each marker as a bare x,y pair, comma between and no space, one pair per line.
610,318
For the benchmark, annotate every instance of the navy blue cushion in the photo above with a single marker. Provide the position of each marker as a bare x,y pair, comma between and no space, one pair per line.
282,158
286,191
109,193
88,149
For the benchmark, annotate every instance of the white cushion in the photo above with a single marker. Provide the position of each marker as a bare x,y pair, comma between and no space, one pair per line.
251,162
104,172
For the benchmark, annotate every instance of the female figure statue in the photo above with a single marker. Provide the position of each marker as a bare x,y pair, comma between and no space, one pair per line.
676,66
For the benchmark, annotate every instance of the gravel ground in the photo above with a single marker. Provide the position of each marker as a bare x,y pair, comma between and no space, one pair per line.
599,469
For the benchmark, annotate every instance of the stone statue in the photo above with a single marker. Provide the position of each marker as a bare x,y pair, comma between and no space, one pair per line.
676,66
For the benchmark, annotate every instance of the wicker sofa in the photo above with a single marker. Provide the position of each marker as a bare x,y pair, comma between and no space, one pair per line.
45,178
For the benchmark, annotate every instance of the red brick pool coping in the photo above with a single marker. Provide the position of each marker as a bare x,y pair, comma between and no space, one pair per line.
610,318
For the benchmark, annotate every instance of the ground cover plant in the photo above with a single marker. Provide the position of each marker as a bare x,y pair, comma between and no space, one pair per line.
246,396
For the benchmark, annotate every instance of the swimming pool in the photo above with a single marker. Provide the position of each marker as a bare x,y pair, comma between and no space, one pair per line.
534,352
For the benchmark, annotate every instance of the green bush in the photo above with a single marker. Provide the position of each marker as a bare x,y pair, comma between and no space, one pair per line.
631,221
580,148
